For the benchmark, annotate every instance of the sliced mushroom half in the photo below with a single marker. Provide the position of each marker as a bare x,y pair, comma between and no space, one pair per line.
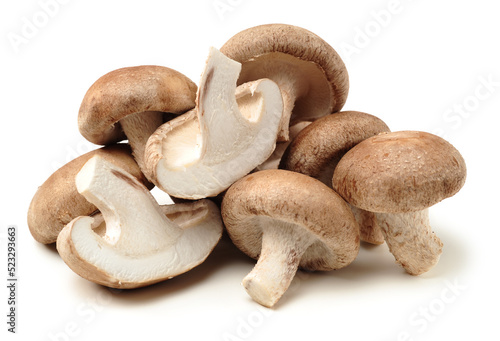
143,243
229,133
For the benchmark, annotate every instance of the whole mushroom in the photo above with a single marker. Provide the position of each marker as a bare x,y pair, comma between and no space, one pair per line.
286,220
130,103
311,75
398,176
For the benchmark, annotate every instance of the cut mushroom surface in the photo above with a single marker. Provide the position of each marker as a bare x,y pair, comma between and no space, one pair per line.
57,201
287,220
311,75
230,132
398,176
143,243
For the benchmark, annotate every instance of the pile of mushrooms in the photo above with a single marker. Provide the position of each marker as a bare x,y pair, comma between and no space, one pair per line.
300,183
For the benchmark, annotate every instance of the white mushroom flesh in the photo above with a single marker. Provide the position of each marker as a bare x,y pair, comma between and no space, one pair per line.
140,243
230,133
138,128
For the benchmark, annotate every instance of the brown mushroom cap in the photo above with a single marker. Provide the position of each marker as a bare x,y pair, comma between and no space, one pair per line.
318,148
57,201
292,198
399,172
131,90
320,75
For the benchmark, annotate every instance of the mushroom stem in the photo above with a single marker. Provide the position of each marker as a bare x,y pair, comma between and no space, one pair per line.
289,96
296,80
291,89
369,228
283,245
120,197
139,127
411,240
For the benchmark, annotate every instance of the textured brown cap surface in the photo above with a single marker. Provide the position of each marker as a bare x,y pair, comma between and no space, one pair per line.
399,172
297,42
294,198
131,90
57,201
319,146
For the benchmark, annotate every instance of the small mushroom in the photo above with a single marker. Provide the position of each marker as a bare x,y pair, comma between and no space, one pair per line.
311,75
57,201
143,243
230,132
318,148
130,103
398,176
286,220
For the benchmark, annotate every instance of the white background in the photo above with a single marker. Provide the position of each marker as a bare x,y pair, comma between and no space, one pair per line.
418,65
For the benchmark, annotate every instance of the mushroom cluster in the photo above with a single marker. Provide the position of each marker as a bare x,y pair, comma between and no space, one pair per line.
298,182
